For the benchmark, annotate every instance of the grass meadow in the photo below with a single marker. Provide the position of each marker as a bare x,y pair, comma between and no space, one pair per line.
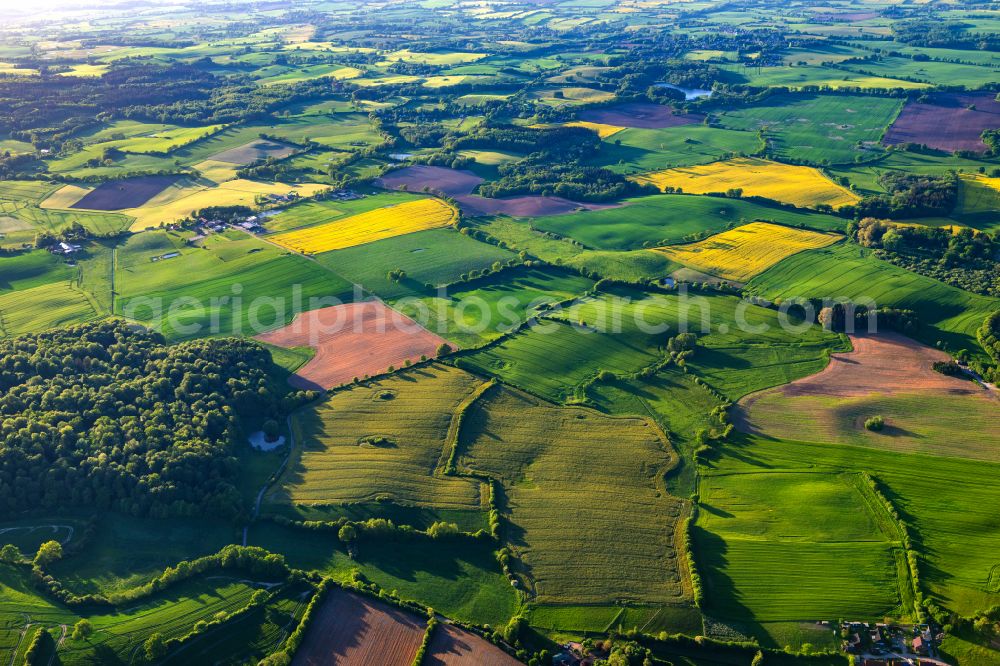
666,219
478,312
458,578
817,129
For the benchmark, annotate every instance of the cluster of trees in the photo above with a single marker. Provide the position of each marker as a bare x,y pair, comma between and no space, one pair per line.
551,143
964,258
74,233
572,181
107,415
943,34
911,195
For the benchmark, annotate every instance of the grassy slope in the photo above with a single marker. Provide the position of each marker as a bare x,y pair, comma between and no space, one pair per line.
946,313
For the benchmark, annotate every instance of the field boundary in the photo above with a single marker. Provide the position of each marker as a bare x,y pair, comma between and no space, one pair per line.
446,464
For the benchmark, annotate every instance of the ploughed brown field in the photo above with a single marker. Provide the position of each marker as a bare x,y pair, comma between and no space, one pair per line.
886,375
641,115
451,646
885,363
459,185
120,194
947,122
253,151
353,340
352,630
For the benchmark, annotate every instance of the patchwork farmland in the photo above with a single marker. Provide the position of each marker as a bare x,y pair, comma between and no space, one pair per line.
434,332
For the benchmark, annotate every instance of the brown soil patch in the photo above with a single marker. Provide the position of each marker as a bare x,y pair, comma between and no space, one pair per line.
641,115
946,123
253,151
451,646
887,363
451,182
353,340
459,185
352,630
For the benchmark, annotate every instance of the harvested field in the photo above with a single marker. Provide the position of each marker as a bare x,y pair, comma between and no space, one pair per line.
352,630
641,115
459,185
451,646
352,340
892,376
567,471
746,251
382,440
374,225
798,185
121,194
253,151
946,123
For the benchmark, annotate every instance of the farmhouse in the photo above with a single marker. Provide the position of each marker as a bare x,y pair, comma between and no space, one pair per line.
64,248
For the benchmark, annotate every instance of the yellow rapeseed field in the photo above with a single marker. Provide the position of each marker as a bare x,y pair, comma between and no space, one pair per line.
367,227
798,185
741,253
603,130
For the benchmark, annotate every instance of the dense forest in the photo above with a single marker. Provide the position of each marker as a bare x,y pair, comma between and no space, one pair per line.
107,415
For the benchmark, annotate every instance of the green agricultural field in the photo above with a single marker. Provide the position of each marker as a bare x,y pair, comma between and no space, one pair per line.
194,293
945,313
629,266
460,579
31,269
642,150
936,73
44,307
381,442
818,129
248,637
481,311
949,509
800,77
435,257
542,454
627,331
125,552
665,219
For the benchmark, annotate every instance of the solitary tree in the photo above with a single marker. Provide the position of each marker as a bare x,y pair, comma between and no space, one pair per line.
347,533
10,554
155,647
82,629
48,552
